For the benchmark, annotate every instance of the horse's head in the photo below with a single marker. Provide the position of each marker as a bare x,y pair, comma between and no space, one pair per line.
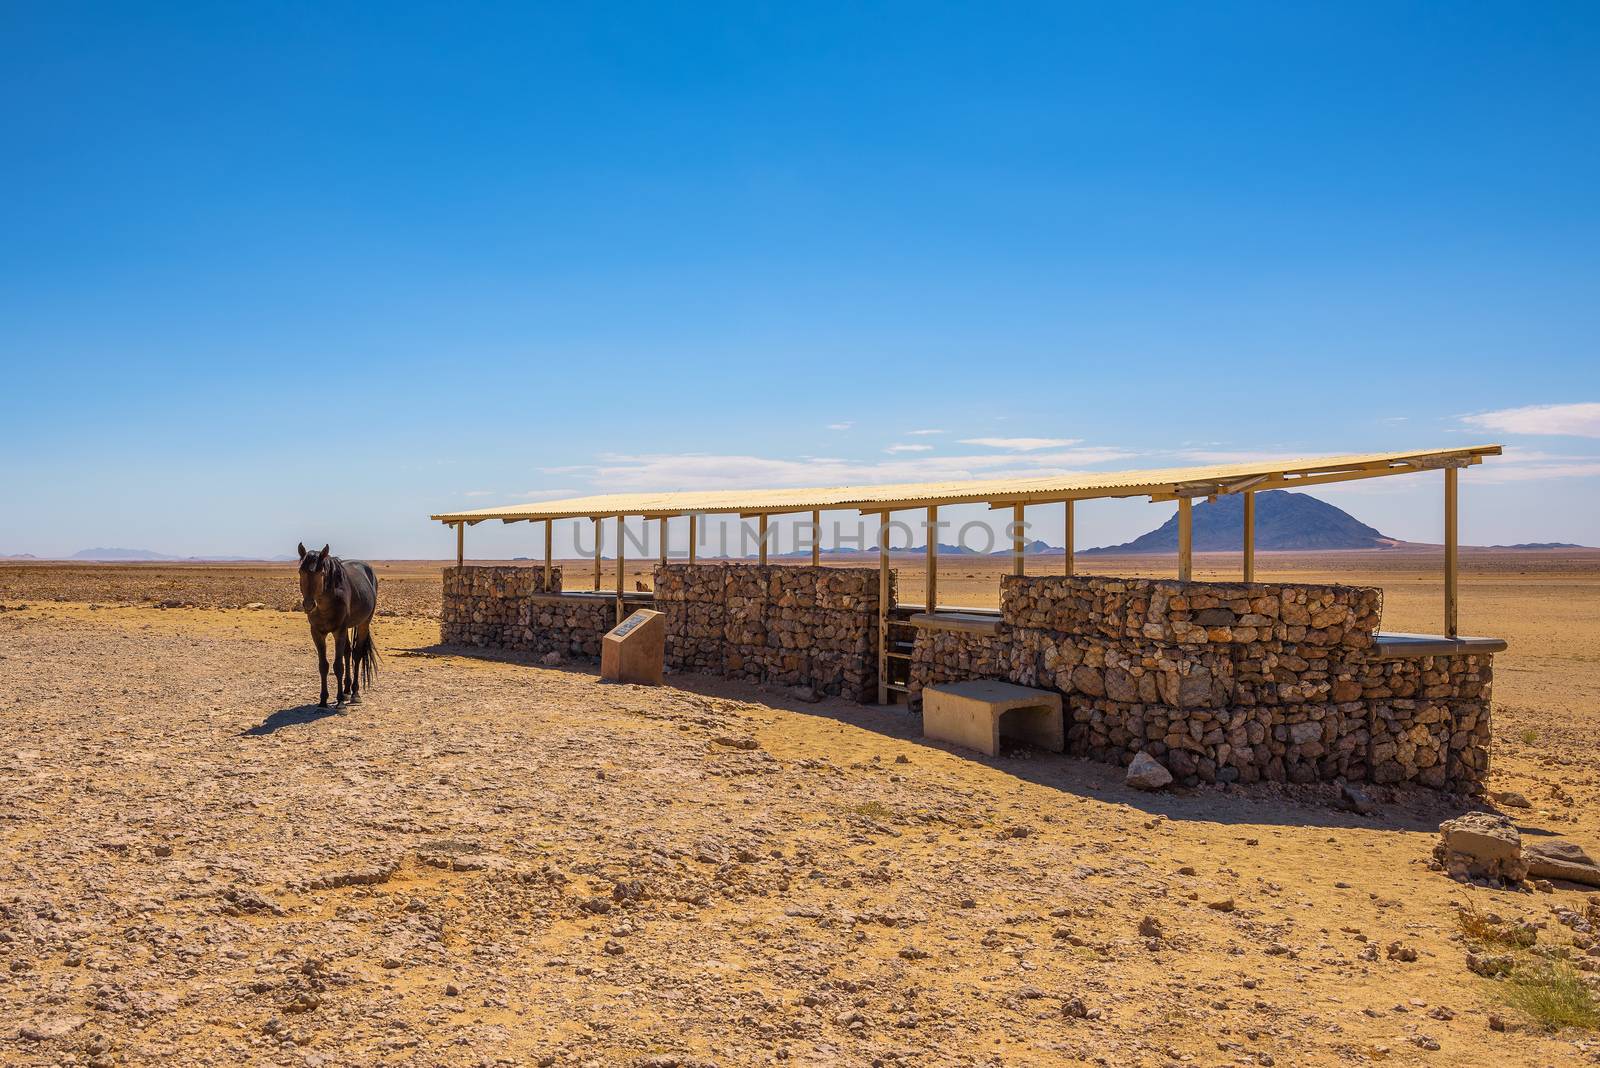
319,575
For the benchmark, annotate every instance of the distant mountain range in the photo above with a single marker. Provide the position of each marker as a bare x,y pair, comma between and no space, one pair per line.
1284,521
136,555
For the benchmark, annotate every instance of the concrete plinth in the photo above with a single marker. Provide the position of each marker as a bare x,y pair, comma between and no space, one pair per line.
635,649
970,714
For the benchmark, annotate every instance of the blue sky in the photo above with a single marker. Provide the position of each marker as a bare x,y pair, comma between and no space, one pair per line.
275,273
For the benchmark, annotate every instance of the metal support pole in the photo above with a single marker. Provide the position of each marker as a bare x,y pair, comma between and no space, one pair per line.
761,532
663,539
816,537
1450,561
693,538
933,561
1185,539
461,543
597,531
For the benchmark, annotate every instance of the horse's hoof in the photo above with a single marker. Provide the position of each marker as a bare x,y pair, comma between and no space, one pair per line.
322,703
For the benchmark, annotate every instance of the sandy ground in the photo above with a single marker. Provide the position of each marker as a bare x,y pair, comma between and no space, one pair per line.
489,862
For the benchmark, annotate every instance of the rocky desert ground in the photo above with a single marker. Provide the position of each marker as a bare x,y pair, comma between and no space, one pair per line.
492,862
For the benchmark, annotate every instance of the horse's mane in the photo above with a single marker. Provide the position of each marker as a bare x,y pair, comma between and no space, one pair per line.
331,567
335,571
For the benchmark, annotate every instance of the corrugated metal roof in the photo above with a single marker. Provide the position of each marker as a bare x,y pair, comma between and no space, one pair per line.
1273,474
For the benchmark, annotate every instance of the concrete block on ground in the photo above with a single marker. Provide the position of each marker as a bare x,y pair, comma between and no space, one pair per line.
976,713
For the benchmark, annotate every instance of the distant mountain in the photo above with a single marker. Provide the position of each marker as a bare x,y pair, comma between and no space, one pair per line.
1033,548
19,556
1541,545
119,554
872,550
1284,520
150,555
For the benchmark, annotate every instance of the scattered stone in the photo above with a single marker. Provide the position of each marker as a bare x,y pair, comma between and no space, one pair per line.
1074,1008
1481,845
1401,952
628,890
1221,905
550,659
741,741
1356,800
913,953
1150,927
46,1029
366,875
1147,773
456,855
1557,858
1490,965
1511,799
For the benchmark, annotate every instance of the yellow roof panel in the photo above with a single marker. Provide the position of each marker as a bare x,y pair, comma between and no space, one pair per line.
1162,483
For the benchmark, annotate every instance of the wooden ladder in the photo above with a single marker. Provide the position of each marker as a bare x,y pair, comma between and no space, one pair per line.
900,638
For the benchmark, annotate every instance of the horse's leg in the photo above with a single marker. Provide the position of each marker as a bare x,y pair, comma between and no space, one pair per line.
358,644
341,658
321,641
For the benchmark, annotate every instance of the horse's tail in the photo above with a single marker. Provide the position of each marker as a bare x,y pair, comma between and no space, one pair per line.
366,656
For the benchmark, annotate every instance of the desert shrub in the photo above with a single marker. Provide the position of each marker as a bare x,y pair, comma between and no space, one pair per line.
1555,995
873,810
1486,930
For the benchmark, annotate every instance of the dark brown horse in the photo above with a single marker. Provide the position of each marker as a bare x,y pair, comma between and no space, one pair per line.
339,597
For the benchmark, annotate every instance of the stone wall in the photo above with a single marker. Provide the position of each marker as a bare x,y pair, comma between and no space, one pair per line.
509,608
788,626
1223,682
1229,682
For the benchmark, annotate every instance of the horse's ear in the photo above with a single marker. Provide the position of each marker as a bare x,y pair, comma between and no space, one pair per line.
324,552
302,550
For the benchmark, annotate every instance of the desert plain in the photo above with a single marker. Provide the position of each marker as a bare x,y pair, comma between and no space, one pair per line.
490,861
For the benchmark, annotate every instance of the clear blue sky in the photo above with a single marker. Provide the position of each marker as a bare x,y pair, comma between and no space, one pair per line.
272,273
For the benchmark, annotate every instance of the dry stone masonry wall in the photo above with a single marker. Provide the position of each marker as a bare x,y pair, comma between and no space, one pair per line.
1222,682
1228,682
509,608
813,627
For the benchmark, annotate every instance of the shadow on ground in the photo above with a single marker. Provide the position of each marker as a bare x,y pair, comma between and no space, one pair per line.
290,717
1401,808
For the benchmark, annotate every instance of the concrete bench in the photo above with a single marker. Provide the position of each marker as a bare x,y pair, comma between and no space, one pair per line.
976,713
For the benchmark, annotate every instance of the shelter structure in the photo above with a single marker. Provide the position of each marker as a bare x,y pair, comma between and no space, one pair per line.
794,624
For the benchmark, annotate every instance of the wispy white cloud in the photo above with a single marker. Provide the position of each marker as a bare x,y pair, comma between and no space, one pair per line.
840,426
901,447
1021,444
1237,456
1572,420
546,494
923,433
717,471
1531,465
477,493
